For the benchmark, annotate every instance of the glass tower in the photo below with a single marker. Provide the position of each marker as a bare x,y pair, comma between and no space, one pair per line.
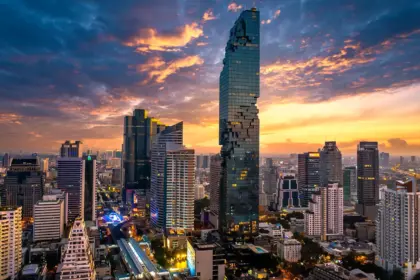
239,127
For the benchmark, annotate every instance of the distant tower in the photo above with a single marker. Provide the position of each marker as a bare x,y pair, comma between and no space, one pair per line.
367,179
11,240
48,219
6,160
330,164
78,260
71,179
90,188
384,160
350,184
71,149
215,175
308,175
24,184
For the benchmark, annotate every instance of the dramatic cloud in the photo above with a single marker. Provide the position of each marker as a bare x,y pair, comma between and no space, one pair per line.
208,15
149,39
158,70
234,7
275,15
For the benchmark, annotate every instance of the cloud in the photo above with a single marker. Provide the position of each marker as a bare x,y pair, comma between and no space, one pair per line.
9,118
150,40
200,44
158,70
233,7
208,15
268,21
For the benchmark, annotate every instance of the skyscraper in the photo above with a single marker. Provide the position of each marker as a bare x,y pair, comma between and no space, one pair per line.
239,126
6,160
350,184
308,175
71,149
325,215
384,160
23,185
179,189
367,179
78,258
71,179
90,188
140,131
330,168
48,219
11,242
215,172
398,228
287,195
270,179
171,134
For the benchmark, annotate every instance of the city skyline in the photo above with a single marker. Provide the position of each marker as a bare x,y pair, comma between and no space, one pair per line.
99,62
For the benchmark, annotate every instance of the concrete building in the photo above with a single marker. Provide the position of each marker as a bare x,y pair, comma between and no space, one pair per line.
287,193
78,260
289,250
11,242
330,169
215,175
270,178
384,160
205,260
6,160
23,185
199,192
48,219
367,179
331,271
71,179
308,175
71,149
398,228
325,215
350,185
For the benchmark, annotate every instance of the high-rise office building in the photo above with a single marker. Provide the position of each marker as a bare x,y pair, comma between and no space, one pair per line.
23,185
44,165
179,190
330,165
239,126
367,179
202,161
78,260
398,229
215,175
402,160
48,219
325,215
90,188
308,175
199,192
171,134
71,149
140,131
350,184
287,195
11,242
384,160
71,179
270,178
413,159
6,160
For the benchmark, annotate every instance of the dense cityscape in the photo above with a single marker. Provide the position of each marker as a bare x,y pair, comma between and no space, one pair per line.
155,208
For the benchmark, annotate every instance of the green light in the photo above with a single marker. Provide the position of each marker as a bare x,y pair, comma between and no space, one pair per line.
89,158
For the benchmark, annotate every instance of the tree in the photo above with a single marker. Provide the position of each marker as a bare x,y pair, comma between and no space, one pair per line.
416,277
200,205
311,251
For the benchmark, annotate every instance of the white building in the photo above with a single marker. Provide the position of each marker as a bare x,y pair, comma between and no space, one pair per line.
289,250
11,242
325,215
179,175
78,259
205,260
199,192
71,179
398,229
48,219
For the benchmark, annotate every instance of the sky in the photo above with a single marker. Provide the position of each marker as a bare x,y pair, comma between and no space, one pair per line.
330,70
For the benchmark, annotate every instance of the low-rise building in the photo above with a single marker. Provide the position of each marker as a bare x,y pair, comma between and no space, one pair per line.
289,250
205,260
331,271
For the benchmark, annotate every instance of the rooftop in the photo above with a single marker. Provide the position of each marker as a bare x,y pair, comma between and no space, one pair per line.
30,269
